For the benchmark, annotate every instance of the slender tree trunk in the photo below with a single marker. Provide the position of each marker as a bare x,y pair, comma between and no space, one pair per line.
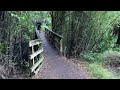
118,40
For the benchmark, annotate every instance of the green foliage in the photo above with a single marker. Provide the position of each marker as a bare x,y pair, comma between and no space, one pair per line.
116,48
91,57
99,72
86,30
97,60
26,19
1,45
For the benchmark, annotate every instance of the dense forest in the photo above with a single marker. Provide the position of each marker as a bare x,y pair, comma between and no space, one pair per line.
16,30
91,36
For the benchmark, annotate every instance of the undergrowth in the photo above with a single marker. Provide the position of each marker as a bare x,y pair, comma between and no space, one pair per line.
98,62
99,72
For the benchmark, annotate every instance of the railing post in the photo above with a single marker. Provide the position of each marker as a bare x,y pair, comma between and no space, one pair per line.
32,53
61,46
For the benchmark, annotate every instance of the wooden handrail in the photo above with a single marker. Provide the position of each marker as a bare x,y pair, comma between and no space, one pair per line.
36,53
51,35
34,42
54,32
36,64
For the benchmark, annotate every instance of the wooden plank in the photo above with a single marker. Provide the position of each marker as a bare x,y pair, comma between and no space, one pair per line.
57,48
57,41
34,42
38,69
36,53
36,64
33,52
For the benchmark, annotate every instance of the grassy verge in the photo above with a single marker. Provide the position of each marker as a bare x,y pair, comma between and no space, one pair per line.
97,67
97,71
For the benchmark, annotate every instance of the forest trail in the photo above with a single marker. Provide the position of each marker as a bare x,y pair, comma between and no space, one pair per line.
56,66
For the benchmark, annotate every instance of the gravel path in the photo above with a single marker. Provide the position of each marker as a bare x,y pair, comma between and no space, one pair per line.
58,67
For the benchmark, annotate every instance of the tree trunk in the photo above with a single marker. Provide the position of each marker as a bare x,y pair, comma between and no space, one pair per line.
118,40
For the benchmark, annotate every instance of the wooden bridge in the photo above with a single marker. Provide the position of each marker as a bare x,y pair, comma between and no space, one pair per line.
57,66
55,39
36,56
46,51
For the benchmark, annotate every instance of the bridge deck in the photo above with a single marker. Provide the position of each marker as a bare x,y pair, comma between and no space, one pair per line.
58,67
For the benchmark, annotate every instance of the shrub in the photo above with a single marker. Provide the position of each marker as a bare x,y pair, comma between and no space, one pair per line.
91,57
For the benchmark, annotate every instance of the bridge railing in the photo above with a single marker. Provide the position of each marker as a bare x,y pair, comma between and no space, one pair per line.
55,39
36,57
